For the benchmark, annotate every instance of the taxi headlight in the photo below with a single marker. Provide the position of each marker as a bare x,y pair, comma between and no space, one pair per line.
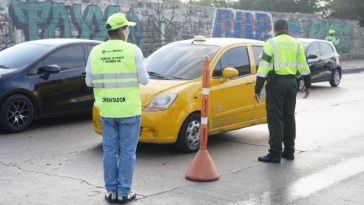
161,102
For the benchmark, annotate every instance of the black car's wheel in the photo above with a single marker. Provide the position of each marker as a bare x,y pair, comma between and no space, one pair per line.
300,84
189,134
335,78
16,113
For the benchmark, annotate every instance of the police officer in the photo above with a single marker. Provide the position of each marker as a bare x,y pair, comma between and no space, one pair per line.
333,38
282,57
114,70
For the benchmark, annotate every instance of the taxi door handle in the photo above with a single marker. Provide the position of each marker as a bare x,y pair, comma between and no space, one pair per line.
249,82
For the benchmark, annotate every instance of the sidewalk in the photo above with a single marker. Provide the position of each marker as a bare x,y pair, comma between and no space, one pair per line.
352,66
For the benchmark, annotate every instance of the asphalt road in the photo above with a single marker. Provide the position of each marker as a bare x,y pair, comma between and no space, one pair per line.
58,161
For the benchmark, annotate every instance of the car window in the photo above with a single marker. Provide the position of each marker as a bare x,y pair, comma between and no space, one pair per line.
257,50
22,55
325,49
88,49
67,58
236,58
313,49
179,61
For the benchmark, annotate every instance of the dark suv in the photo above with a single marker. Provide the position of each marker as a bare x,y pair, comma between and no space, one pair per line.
323,61
43,78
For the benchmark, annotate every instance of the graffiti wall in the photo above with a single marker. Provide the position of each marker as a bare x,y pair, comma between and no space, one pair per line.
159,24
310,26
6,32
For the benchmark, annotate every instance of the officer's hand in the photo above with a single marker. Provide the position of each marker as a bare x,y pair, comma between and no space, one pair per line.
306,92
257,97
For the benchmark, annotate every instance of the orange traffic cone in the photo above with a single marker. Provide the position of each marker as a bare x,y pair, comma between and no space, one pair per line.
202,167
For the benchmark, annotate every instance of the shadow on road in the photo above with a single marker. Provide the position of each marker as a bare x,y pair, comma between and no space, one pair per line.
215,142
60,121
56,122
50,123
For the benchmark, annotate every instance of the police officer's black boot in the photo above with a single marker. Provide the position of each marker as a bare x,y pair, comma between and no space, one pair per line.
270,158
288,154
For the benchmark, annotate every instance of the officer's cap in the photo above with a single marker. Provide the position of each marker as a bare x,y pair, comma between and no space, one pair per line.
118,20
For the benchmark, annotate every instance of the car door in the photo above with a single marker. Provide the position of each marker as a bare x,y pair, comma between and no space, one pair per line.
315,64
328,60
65,91
259,113
232,103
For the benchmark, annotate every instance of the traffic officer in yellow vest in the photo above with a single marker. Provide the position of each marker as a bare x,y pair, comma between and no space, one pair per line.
282,57
114,70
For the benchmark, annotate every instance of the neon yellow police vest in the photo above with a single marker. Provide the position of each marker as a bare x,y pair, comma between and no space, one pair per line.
115,79
288,57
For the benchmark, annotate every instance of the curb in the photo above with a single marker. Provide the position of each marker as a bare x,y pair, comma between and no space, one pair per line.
352,70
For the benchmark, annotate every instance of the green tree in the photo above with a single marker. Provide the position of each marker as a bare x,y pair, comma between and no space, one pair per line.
302,6
171,1
163,1
344,9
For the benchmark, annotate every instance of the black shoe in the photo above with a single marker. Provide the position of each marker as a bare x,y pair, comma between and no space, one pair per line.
288,155
111,197
126,199
269,158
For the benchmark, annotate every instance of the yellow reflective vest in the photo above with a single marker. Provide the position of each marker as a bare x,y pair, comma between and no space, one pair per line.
286,54
115,79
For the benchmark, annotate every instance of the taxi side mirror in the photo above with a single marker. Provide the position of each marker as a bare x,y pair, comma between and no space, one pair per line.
229,73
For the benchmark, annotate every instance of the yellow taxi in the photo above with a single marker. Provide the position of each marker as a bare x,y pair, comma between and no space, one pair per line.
171,102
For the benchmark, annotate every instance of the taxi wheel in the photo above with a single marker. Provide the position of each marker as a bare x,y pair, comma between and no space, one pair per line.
335,78
189,135
16,113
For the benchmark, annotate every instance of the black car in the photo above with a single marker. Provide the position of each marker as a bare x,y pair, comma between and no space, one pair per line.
323,61
41,79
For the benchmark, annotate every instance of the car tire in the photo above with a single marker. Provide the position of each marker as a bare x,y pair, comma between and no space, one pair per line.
300,84
16,113
335,78
189,135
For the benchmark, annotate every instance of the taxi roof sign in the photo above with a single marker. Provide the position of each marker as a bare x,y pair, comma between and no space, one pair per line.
199,38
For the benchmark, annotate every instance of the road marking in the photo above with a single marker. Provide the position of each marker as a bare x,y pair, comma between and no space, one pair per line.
309,185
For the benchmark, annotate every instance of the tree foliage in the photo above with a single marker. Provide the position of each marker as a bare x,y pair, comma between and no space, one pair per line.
344,9
302,6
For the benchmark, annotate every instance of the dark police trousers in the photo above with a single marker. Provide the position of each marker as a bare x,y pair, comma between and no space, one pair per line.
280,105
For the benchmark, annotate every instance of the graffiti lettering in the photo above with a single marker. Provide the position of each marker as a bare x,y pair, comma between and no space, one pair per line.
294,26
158,23
59,18
30,16
48,19
242,24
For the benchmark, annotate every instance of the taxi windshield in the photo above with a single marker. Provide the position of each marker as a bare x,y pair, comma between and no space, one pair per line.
179,61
